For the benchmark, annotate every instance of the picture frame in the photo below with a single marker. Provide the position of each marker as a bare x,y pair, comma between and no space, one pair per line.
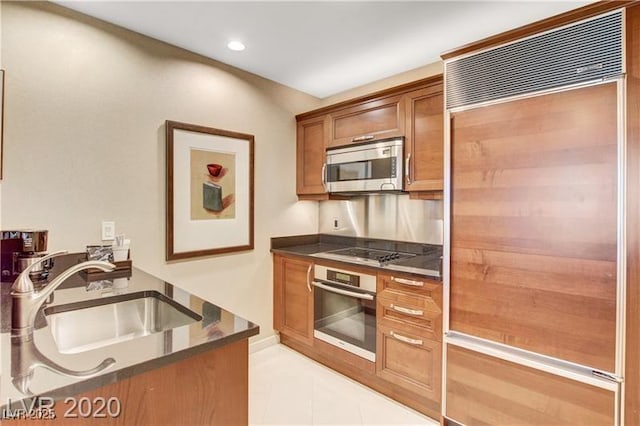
210,191
1,122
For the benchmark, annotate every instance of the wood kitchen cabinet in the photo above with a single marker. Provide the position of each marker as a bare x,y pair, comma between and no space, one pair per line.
413,111
408,364
312,137
210,388
483,390
410,361
409,334
293,298
373,120
424,135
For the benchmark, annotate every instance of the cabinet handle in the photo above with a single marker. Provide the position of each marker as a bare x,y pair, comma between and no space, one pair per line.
405,339
363,296
308,277
408,282
363,138
324,177
407,169
417,312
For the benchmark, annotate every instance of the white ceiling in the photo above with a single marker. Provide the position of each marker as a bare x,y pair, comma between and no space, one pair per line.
322,48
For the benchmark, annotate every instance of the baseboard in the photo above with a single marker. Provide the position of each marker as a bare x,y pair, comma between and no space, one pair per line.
264,343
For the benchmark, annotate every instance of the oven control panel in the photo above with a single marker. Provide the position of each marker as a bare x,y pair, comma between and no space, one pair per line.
362,281
343,278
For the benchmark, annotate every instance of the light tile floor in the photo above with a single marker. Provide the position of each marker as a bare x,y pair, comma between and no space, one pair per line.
287,388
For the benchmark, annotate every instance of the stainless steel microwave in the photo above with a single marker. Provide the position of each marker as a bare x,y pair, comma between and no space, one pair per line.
370,167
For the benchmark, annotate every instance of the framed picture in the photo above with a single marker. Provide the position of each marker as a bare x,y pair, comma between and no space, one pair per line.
1,121
209,191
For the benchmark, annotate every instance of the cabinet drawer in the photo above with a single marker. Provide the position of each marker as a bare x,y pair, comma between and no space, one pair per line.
411,284
409,361
483,390
377,119
419,312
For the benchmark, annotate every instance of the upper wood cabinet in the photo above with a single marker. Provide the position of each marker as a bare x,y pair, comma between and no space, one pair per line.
424,136
311,144
377,119
413,111
293,298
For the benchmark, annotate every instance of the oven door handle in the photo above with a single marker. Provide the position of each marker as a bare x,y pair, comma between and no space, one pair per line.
364,296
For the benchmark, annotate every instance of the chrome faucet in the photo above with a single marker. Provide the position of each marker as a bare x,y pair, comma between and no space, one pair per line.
26,301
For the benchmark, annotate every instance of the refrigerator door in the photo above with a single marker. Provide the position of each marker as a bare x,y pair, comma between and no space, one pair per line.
534,246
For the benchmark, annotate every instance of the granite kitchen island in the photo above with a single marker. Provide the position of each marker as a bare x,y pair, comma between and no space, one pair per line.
129,350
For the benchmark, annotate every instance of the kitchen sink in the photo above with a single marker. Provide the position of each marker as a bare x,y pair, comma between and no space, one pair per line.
82,326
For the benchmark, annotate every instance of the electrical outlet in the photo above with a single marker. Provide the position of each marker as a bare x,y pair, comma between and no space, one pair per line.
336,224
108,231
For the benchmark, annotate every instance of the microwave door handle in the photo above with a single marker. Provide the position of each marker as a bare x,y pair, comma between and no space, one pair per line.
363,138
407,169
364,296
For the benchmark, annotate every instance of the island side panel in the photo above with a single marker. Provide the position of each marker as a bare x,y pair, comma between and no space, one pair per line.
211,388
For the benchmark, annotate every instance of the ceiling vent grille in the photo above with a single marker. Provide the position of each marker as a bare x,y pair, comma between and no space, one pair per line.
588,50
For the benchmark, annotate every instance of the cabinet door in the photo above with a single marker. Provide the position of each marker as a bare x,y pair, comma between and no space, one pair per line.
483,390
311,144
533,224
377,119
424,139
410,361
293,298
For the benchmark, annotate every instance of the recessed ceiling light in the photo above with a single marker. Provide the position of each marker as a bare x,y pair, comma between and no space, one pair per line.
238,46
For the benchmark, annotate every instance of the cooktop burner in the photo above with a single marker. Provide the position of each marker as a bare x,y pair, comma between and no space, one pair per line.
366,255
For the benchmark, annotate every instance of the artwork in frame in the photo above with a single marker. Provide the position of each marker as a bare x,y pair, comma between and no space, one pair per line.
209,191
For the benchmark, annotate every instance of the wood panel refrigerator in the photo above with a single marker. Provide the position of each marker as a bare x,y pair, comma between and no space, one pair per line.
534,210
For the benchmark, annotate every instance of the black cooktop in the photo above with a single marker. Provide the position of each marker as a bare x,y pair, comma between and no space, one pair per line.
366,254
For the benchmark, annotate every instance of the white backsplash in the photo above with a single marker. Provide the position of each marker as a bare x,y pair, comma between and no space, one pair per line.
387,216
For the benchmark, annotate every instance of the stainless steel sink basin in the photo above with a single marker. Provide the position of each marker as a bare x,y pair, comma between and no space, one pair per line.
83,326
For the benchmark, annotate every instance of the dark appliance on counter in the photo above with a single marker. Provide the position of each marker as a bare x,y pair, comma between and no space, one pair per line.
345,310
370,167
428,262
21,248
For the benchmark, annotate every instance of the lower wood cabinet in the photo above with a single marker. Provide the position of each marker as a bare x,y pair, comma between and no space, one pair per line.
410,361
483,390
211,388
409,334
408,366
293,297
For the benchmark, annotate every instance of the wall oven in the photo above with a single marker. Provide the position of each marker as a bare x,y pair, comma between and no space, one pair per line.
345,310
369,167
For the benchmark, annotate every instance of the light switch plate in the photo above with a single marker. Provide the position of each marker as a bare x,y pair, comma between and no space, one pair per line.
108,231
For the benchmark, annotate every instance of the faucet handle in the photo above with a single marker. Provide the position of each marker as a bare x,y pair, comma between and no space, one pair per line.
23,283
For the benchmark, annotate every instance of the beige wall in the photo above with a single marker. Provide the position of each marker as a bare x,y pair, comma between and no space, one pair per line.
84,142
396,80
86,103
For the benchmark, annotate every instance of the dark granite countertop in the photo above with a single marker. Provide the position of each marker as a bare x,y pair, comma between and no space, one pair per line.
427,261
23,374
